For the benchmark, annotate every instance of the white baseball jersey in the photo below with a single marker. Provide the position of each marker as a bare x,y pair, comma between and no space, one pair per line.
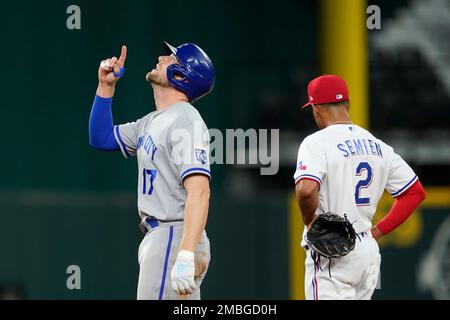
170,145
352,168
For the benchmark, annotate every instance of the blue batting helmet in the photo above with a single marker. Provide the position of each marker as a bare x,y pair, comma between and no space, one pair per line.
195,70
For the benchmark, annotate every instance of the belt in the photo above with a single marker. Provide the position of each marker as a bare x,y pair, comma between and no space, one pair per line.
148,223
363,234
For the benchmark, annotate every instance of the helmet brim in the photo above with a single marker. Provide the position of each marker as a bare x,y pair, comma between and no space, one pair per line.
169,49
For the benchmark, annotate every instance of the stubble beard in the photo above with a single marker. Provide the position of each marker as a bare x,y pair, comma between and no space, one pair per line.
155,78
152,78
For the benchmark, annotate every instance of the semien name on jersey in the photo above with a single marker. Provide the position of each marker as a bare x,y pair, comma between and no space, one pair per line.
356,147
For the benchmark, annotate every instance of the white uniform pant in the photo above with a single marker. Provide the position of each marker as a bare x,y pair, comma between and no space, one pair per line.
157,254
353,277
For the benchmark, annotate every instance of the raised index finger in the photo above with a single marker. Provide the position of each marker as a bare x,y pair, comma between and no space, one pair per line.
123,56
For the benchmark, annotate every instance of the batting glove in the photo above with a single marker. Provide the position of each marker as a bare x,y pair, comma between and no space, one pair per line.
183,273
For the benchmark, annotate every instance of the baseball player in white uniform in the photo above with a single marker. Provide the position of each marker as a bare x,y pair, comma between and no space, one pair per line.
344,169
172,149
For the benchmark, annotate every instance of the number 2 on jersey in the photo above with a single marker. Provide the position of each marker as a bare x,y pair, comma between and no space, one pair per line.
149,174
363,166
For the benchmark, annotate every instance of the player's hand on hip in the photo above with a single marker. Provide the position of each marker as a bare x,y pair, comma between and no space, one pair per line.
376,233
183,273
112,69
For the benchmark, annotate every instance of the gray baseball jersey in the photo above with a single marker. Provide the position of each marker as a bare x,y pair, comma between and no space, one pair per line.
170,145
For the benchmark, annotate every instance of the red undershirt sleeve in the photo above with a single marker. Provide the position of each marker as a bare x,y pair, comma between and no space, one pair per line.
403,206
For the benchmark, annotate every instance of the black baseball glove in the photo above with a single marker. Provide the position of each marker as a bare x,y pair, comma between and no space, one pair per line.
331,235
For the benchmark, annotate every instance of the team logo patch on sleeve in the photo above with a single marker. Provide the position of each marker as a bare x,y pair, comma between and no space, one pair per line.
301,166
201,155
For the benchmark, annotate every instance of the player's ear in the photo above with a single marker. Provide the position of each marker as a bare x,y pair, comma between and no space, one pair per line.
315,110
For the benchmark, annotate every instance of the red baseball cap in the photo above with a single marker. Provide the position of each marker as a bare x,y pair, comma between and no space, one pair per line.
327,88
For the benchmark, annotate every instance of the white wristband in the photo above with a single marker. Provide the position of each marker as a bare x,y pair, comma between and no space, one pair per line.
186,254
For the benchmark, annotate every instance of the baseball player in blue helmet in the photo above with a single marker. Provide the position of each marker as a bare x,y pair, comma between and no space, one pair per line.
172,149
193,65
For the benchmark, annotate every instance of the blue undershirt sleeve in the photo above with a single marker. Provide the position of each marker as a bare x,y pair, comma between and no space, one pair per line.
101,125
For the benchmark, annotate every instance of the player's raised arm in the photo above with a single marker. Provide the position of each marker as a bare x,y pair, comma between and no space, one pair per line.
109,72
101,135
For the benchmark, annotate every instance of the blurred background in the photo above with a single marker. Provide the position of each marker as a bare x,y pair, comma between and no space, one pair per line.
63,203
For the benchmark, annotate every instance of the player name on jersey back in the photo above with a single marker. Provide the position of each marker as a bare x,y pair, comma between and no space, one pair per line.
354,147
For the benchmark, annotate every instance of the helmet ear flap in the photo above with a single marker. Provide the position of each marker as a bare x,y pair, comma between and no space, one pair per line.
174,72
